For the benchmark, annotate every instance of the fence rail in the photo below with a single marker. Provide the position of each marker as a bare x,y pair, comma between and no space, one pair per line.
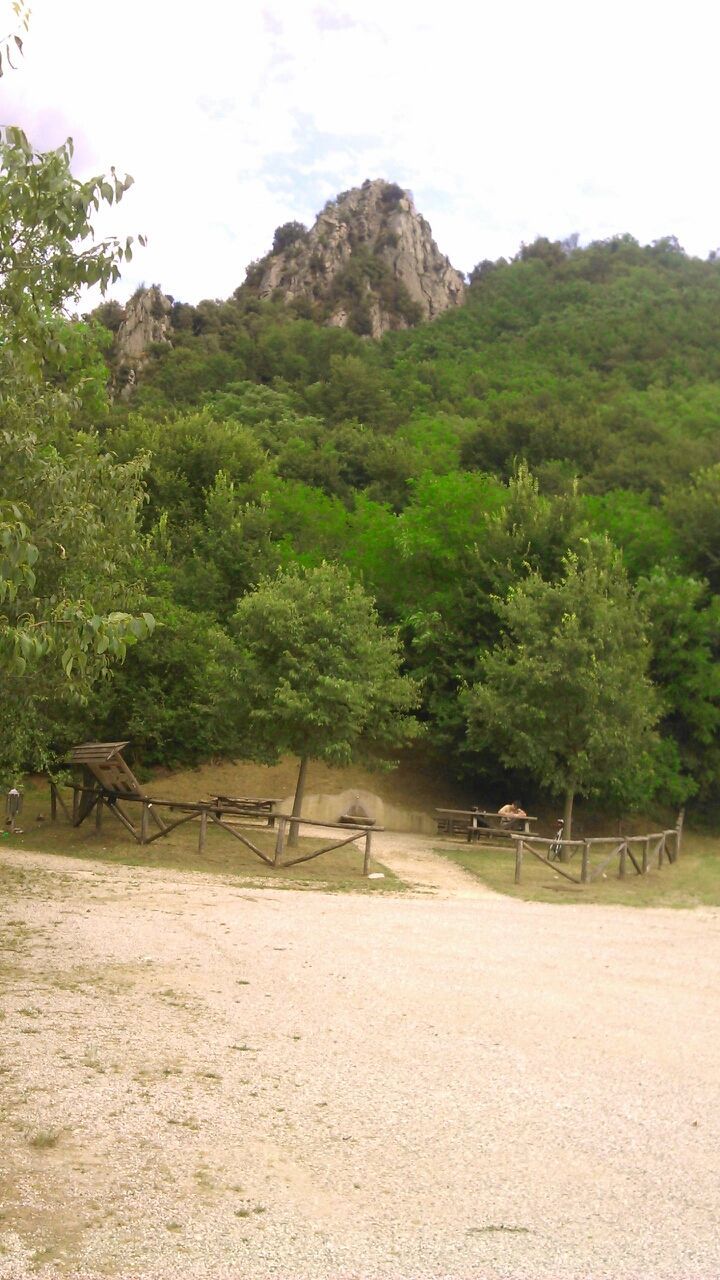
225,816
653,850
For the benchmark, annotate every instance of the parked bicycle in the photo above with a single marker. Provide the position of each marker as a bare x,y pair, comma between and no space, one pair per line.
555,850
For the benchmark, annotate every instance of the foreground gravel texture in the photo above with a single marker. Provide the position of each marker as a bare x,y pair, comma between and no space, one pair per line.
201,1081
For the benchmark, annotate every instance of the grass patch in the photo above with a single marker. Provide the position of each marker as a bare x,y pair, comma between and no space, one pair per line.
339,871
692,881
45,1139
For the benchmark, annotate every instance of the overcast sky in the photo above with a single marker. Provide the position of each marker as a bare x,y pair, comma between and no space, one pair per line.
507,120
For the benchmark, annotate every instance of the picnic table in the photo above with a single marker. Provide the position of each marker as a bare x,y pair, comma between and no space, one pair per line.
479,824
248,806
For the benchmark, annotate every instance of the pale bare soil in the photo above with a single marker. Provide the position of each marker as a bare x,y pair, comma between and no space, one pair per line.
203,1081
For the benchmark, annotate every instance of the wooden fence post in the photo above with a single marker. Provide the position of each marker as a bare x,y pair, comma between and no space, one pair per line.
622,865
645,855
519,846
585,867
144,822
76,804
679,830
203,831
53,802
98,812
366,859
661,850
280,841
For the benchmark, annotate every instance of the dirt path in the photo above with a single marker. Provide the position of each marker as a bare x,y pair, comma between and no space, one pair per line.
413,860
200,1081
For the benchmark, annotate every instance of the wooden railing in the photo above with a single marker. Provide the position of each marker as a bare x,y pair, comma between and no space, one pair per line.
641,853
225,816
285,821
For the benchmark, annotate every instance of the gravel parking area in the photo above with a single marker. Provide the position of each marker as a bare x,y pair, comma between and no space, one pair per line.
202,1081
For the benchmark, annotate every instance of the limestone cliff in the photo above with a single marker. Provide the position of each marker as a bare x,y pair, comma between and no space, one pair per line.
369,263
147,320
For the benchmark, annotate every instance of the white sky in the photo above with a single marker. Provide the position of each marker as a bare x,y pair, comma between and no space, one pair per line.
507,120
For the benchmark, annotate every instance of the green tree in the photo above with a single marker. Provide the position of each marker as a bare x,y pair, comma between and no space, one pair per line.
69,542
69,577
170,698
684,631
187,452
565,697
695,514
316,673
464,541
45,217
288,234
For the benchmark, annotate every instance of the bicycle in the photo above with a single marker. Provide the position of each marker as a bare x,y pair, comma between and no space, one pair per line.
555,850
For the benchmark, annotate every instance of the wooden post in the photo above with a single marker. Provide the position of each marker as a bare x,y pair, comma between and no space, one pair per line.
661,850
679,830
280,841
203,831
76,804
519,847
144,822
368,845
368,850
298,801
98,812
645,855
585,867
53,802
622,866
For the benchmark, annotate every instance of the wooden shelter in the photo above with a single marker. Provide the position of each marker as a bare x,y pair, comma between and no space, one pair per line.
107,779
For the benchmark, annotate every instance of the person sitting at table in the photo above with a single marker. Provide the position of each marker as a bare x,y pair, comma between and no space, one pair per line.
509,815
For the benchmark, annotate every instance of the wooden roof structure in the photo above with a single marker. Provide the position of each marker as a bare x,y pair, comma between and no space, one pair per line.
104,760
106,775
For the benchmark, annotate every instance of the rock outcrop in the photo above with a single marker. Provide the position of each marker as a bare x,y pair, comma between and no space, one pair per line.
369,263
147,321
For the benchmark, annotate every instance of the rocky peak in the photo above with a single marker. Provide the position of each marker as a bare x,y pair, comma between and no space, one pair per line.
369,263
147,320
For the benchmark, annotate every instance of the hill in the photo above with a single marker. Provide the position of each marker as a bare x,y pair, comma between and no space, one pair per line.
574,395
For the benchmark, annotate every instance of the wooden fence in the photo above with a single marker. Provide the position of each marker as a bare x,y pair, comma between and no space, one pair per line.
640,854
225,816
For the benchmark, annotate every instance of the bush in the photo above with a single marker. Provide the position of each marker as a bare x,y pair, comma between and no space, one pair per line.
392,194
288,234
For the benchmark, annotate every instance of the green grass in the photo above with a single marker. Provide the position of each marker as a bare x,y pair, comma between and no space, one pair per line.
692,881
339,871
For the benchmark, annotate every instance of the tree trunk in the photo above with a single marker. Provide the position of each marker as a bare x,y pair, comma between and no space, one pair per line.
298,802
567,828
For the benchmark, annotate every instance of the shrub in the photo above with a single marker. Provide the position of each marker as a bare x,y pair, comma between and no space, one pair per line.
288,234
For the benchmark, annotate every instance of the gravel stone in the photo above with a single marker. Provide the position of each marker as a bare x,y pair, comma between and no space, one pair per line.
205,1081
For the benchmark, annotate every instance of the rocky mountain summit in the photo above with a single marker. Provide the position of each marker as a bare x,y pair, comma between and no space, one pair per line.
369,263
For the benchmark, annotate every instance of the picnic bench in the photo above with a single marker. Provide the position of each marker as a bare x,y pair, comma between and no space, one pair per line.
247,807
480,824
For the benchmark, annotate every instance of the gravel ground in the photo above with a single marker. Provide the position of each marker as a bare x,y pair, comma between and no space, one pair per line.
201,1081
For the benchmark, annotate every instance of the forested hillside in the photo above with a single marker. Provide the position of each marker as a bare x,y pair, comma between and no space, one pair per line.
573,399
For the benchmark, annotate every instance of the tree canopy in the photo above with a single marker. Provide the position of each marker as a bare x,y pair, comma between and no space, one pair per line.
69,514
565,696
572,398
316,674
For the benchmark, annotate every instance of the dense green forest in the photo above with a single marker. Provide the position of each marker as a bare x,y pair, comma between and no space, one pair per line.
562,426
575,396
